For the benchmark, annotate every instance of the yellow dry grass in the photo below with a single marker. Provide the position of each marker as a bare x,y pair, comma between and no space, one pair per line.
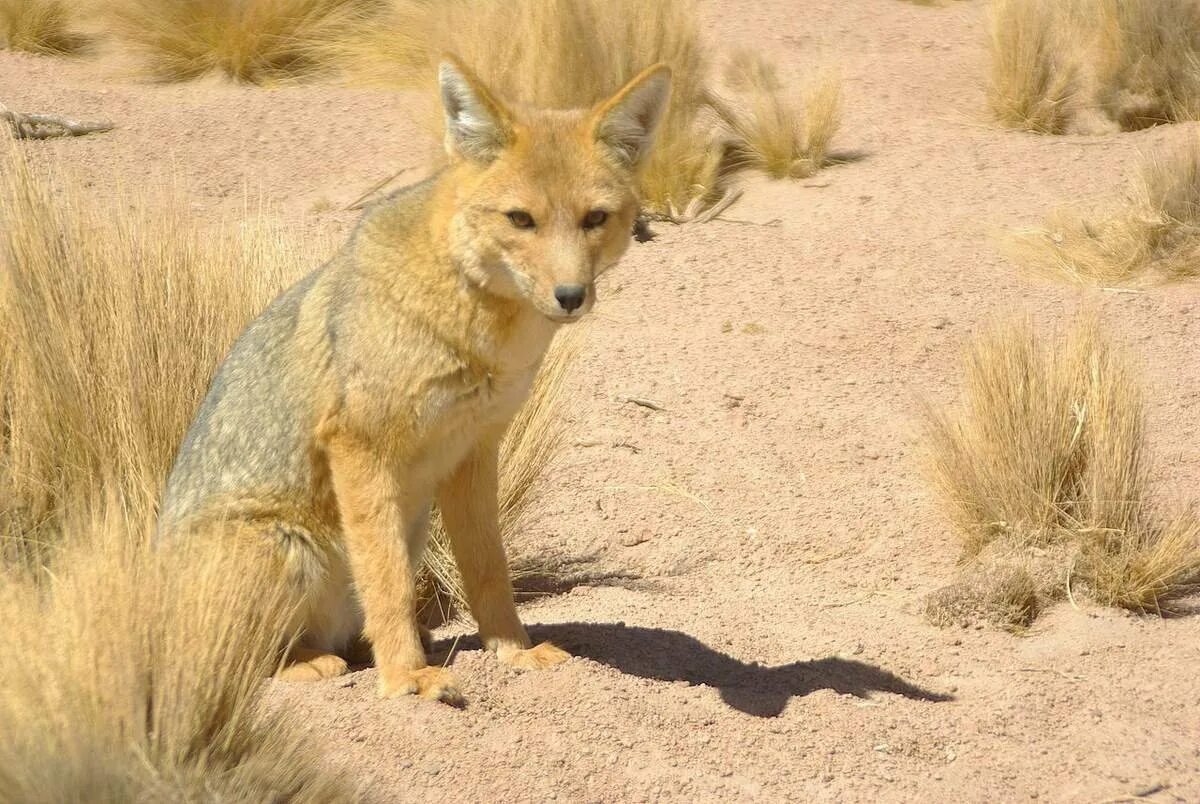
256,41
1047,457
1032,83
1147,60
125,679
40,26
574,53
1135,61
1002,595
111,328
1153,235
768,131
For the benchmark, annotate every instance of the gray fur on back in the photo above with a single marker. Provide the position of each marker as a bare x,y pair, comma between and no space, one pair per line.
221,455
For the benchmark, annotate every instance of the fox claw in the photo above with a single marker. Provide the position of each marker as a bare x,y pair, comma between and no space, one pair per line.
538,657
431,683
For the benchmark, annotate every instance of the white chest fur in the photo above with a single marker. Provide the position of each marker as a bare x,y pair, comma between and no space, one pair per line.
482,403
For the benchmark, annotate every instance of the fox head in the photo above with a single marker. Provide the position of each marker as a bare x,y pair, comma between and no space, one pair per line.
546,199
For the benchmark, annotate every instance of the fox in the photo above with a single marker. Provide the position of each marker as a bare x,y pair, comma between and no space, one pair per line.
382,383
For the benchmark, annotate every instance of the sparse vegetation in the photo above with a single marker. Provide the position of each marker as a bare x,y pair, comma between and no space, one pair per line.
555,53
1004,595
1044,473
1135,61
40,26
1032,84
1147,60
125,680
771,134
1154,234
256,41
112,327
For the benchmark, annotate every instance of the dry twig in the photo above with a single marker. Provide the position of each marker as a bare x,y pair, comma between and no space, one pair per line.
44,126
641,402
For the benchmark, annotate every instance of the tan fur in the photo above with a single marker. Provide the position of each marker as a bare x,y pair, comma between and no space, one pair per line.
383,382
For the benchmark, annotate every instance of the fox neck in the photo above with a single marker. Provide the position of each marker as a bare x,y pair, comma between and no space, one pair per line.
405,247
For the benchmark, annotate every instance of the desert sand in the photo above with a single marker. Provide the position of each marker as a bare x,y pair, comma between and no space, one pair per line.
740,574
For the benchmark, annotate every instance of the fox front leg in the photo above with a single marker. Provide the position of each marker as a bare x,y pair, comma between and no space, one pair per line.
381,525
470,514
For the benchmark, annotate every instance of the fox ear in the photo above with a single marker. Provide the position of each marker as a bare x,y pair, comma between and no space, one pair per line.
477,125
625,123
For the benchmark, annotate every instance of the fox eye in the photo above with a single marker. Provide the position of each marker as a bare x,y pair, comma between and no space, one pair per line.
595,218
520,218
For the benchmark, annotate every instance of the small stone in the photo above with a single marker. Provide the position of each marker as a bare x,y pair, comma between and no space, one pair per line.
634,539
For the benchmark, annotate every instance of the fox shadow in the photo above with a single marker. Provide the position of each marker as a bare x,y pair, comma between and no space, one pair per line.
762,691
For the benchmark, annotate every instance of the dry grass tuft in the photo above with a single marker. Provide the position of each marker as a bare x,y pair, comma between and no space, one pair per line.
40,26
533,440
1147,60
256,41
771,134
1155,234
1048,453
1032,84
1144,570
110,329
126,680
1137,62
574,53
1005,596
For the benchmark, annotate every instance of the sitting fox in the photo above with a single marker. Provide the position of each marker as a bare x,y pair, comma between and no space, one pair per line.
383,382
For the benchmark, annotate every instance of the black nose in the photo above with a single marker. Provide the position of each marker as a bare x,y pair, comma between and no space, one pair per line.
570,297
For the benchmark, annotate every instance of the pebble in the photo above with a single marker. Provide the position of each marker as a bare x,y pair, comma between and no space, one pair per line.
634,539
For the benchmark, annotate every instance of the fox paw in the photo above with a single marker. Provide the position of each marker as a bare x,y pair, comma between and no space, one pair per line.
313,667
431,683
539,656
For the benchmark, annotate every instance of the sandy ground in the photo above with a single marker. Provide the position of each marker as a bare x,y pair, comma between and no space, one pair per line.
742,579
